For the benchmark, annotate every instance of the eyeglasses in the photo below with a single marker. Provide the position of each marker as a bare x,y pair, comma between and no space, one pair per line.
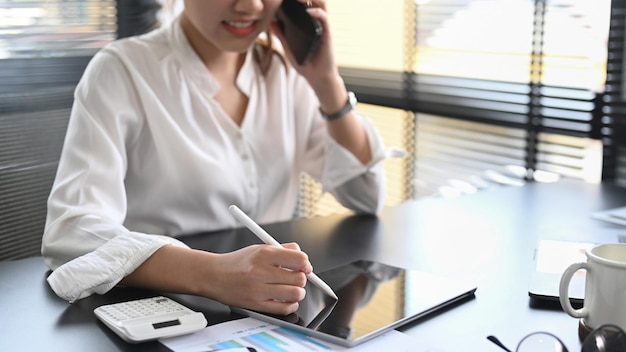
606,338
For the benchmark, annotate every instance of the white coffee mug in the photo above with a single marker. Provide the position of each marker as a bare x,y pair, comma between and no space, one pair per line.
605,286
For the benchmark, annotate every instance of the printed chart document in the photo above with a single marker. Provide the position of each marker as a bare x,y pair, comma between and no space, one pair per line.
266,337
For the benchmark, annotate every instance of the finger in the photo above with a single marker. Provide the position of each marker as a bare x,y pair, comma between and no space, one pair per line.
277,307
274,292
285,293
291,245
318,13
314,3
315,8
290,257
281,276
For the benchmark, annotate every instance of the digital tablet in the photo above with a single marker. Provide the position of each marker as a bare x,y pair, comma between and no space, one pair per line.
373,298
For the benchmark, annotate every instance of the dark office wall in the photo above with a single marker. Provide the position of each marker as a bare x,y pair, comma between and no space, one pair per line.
615,97
136,16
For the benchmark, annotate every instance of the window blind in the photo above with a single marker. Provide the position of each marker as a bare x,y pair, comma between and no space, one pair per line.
519,65
502,91
55,28
44,49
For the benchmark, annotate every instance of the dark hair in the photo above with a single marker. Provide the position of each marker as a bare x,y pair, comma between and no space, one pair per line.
265,51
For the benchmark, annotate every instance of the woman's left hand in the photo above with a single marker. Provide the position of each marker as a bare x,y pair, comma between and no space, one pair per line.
321,69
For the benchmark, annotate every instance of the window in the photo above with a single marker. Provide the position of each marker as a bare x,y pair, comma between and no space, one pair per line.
499,91
55,28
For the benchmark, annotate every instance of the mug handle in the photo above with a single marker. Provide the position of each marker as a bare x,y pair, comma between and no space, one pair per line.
564,291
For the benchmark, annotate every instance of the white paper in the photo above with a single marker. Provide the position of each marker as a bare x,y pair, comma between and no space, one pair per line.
266,337
555,256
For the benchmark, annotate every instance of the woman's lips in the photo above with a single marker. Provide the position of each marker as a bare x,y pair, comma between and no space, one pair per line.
240,28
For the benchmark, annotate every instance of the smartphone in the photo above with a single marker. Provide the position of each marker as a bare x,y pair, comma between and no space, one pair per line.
302,32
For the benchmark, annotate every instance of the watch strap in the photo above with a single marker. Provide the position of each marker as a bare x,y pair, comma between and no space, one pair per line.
349,106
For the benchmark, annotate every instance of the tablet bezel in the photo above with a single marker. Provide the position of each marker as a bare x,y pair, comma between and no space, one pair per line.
454,291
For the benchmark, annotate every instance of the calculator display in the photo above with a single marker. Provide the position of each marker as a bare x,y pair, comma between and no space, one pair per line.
166,324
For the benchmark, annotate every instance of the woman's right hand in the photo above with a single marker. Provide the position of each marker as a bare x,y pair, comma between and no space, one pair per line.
260,277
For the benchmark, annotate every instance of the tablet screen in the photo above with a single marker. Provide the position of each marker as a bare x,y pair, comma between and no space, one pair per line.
373,298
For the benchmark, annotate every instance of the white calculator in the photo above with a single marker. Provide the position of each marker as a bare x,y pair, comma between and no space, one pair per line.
149,319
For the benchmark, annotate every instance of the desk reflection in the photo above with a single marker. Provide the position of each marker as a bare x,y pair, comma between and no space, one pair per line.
355,285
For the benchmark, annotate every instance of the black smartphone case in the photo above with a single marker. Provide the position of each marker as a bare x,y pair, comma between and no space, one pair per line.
302,32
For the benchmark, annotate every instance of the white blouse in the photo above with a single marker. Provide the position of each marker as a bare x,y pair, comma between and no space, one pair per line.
149,155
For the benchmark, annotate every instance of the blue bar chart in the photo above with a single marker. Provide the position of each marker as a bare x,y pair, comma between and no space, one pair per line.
274,339
245,333
263,337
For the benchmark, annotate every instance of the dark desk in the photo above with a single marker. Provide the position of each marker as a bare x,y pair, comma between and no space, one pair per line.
489,236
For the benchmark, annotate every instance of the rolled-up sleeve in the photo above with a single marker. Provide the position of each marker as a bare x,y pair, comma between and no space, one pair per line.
356,186
100,270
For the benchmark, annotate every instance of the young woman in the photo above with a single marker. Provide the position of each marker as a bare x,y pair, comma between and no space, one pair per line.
170,128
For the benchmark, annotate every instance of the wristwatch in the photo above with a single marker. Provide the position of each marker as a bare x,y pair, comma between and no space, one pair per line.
350,105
